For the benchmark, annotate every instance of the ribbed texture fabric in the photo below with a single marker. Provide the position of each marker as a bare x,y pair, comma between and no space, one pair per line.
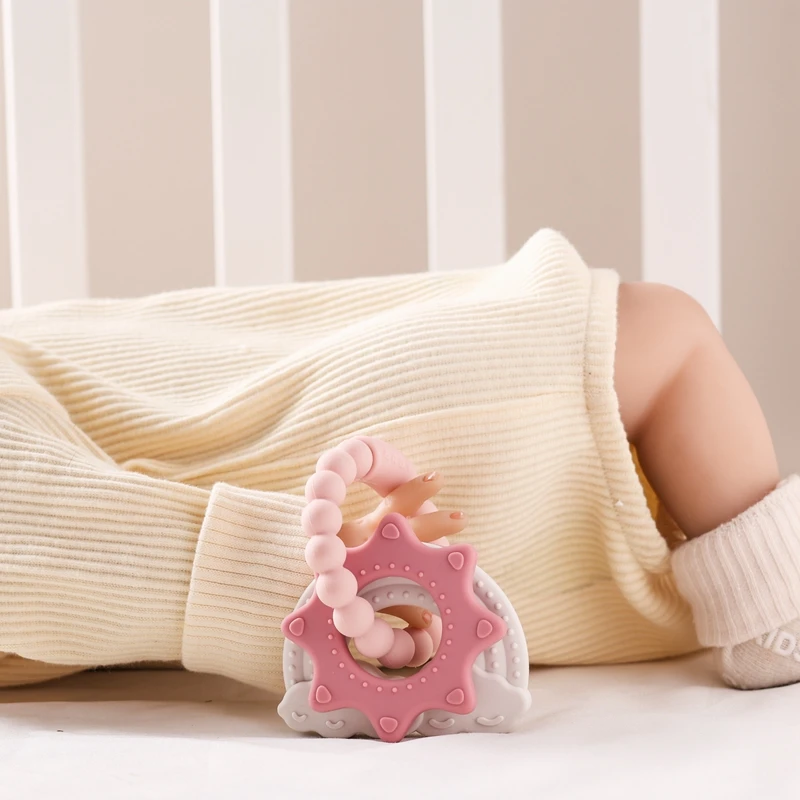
94,562
246,579
17,671
155,452
743,578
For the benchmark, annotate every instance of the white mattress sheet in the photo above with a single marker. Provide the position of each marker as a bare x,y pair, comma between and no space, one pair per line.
664,729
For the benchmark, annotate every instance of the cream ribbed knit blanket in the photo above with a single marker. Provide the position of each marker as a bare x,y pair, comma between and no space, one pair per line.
153,455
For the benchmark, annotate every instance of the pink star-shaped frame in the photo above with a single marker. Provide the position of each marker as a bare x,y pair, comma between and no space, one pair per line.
445,682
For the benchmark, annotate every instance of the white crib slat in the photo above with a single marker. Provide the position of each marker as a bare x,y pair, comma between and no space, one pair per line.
252,176
44,148
464,133
680,147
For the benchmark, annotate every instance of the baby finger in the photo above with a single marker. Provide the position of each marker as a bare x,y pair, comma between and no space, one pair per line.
430,527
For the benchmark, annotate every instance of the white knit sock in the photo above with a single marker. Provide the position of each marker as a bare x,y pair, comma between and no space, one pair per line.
742,581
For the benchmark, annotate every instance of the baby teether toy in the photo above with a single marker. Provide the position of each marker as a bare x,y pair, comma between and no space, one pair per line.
473,673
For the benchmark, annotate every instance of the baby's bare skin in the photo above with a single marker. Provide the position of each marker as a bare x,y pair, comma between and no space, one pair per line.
700,434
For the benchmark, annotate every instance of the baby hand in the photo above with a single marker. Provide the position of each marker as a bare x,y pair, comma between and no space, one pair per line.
406,500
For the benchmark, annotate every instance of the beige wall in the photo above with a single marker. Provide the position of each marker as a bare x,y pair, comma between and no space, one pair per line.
147,116
358,138
760,177
572,126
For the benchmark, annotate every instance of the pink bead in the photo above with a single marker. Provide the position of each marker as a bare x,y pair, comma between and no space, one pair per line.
326,485
377,641
401,652
321,517
354,619
423,646
435,631
337,588
324,553
360,453
338,461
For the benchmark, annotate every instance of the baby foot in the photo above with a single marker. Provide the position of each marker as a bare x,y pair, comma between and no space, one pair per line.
772,659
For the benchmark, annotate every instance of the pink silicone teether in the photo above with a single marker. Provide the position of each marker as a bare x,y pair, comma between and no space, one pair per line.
335,611
435,631
382,467
354,619
321,517
423,646
377,641
402,651
444,683
324,553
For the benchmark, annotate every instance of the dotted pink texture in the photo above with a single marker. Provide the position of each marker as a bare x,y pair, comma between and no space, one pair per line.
445,682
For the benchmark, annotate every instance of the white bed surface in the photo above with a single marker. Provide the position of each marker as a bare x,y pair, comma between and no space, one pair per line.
665,729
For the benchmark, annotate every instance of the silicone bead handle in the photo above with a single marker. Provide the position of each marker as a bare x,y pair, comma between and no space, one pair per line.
382,467
389,469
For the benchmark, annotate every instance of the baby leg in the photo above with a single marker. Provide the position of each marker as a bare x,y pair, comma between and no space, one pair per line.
698,429
706,450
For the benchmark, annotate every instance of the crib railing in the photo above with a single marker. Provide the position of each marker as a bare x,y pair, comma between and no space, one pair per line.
153,146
